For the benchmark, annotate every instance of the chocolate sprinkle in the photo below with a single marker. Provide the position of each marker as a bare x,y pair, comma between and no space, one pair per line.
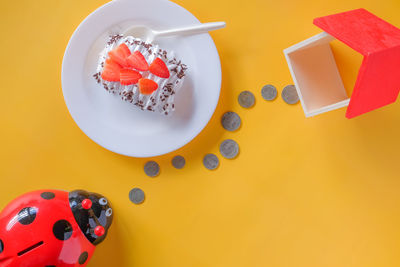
162,94
114,38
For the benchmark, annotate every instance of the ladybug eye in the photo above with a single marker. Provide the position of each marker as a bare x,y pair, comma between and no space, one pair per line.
108,212
27,215
1,246
103,201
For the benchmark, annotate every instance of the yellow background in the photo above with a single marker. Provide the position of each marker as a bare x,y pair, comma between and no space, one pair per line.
323,191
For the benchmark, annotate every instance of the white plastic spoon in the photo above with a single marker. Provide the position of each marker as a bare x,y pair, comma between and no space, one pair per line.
149,35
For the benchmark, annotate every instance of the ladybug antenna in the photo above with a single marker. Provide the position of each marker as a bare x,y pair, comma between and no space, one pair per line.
99,229
86,203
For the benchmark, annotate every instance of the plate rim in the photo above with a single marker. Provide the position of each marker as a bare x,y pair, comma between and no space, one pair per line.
142,154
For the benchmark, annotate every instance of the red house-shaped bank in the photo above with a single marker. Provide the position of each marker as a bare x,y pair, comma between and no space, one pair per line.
317,78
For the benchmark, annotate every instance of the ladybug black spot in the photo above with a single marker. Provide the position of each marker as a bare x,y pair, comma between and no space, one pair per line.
62,230
47,195
83,257
27,215
1,246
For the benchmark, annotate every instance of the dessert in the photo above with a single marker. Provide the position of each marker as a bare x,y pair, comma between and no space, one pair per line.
141,73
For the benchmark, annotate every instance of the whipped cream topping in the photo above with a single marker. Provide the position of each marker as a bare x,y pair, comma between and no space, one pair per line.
161,100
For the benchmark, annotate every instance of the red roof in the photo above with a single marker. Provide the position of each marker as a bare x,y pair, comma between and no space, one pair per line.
378,81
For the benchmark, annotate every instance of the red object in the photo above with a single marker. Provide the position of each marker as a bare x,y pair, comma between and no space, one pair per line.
378,81
147,87
50,228
99,230
120,54
128,76
137,61
159,68
125,50
86,203
111,71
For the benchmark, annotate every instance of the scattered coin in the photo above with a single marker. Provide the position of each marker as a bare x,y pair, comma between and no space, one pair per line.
136,195
269,92
231,121
152,168
178,162
210,161
246,99
289,95
229,149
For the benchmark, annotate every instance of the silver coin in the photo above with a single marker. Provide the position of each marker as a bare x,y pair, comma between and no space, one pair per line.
231,121
152,168
136,195
211,161
178,162
246,99
269,92
229,149
289,95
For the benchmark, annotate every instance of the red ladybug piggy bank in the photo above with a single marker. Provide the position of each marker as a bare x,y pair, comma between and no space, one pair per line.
53,228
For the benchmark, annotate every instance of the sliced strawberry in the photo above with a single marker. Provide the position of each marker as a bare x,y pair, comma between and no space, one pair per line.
120,54
115,56
124,49
110,71
127,76
147,87
110,76
137,61
159,68
109,63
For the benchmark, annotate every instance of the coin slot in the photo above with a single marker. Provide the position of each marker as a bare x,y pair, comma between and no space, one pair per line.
22,252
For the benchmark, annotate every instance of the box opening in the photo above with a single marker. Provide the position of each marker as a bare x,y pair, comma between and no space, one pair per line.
348,62
318,79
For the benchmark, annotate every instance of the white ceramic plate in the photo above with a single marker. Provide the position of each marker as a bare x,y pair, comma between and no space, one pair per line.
117,125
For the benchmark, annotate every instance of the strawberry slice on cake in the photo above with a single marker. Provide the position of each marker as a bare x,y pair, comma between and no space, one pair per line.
141,73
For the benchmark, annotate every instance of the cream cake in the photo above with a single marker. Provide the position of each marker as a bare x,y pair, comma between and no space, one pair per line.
140,73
